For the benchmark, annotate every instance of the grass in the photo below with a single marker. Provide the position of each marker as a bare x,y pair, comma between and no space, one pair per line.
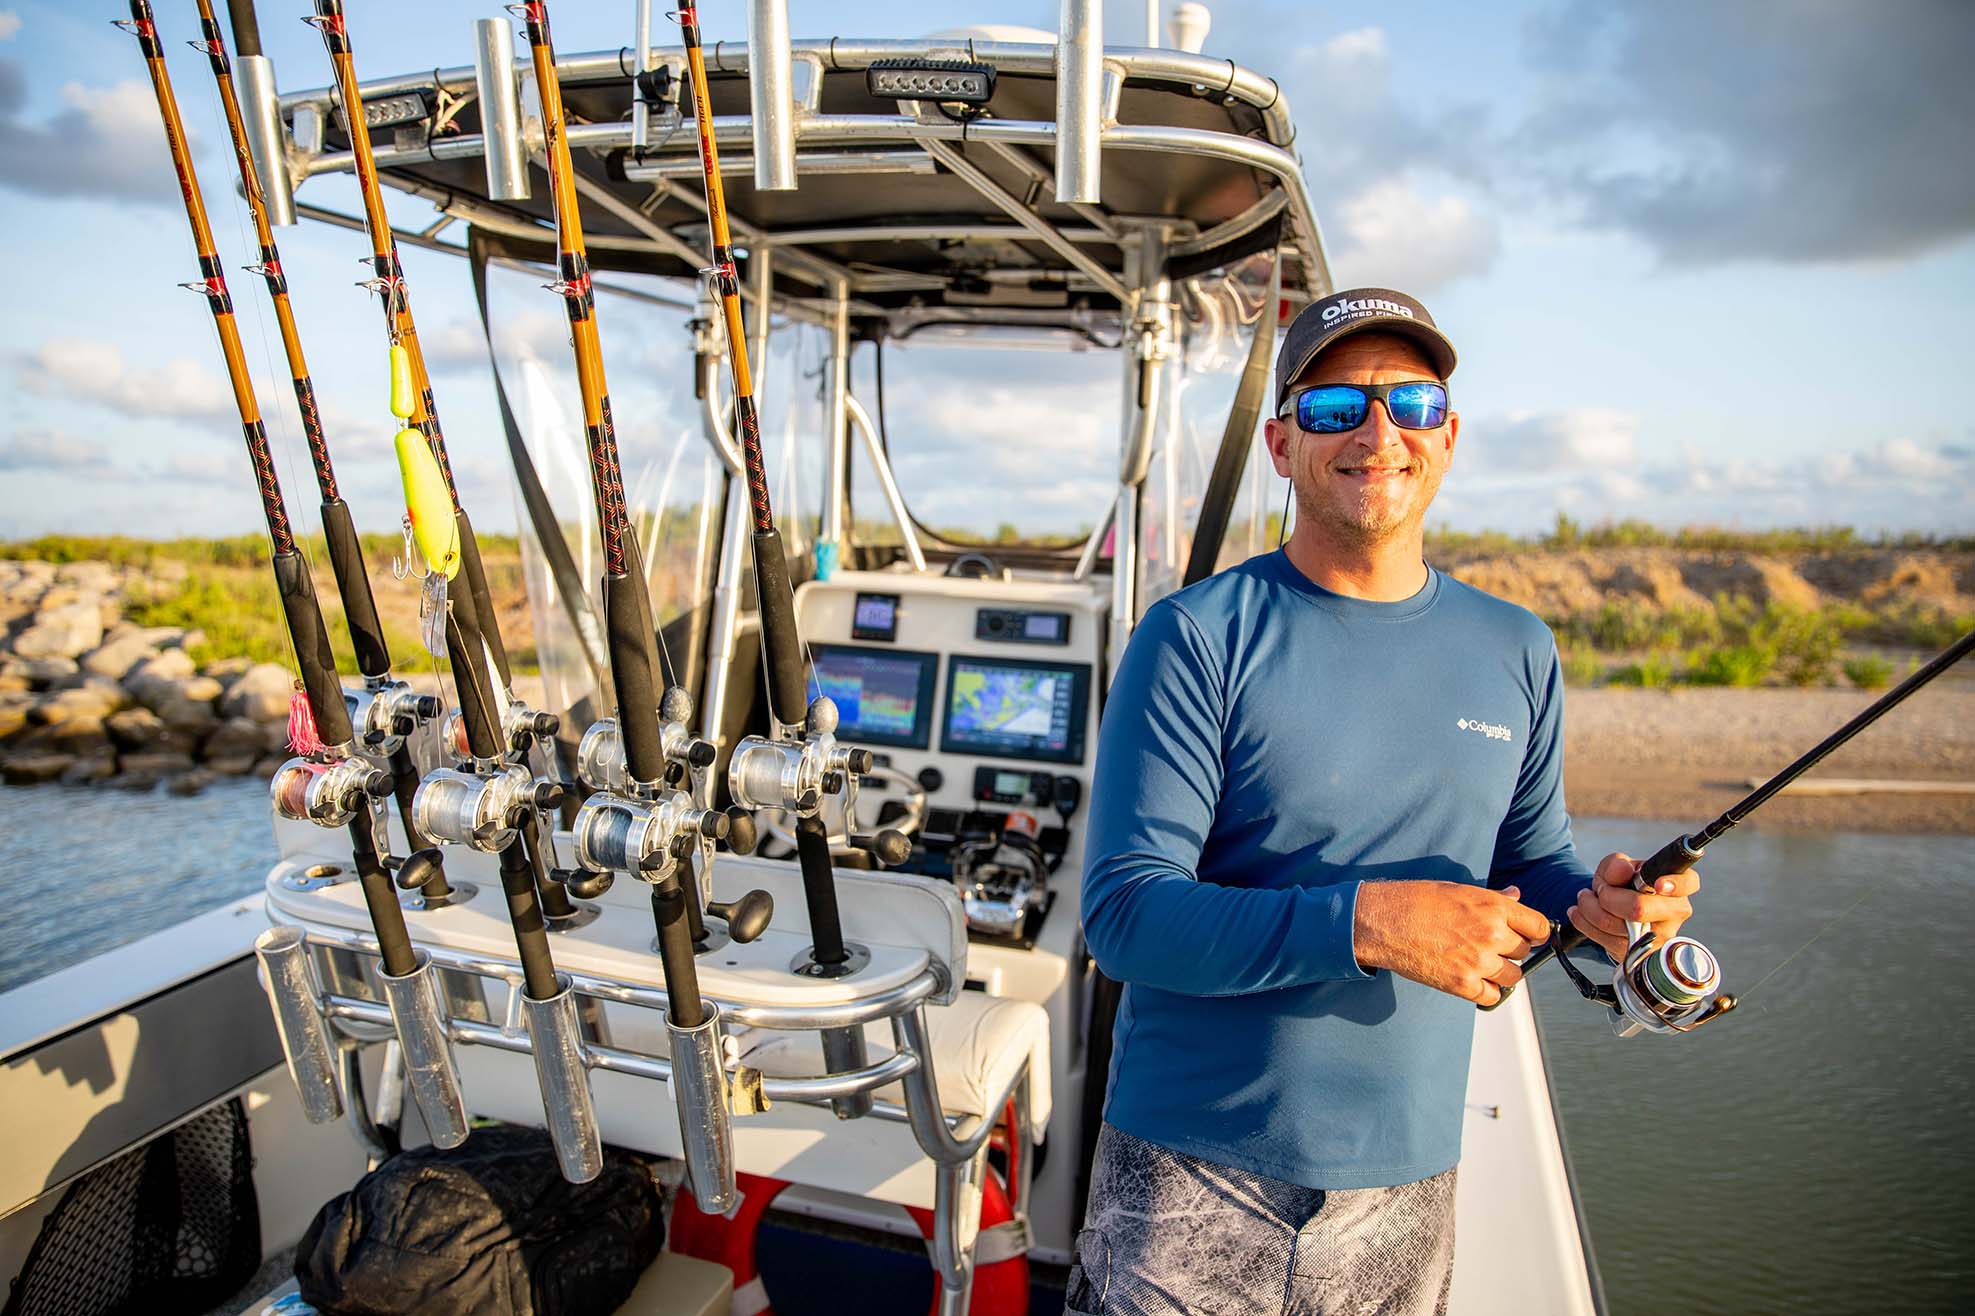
240,615
1567,534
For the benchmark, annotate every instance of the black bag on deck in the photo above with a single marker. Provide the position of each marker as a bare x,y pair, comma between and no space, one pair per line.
490,1226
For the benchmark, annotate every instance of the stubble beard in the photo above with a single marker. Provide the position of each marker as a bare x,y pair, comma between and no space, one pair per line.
1369,521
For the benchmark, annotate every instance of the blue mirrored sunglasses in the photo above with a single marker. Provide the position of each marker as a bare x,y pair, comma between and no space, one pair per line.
1417,404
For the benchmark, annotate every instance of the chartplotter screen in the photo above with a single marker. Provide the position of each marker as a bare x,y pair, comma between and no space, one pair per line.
1011,708
883,696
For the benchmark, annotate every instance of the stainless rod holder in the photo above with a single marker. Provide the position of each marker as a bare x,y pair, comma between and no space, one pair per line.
431,1074
1079,100
555,1035
500,109
771,94
843,1053
706,1129
305,1044
261,114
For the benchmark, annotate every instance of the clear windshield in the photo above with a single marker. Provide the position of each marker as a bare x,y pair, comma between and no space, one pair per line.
996,436
672,479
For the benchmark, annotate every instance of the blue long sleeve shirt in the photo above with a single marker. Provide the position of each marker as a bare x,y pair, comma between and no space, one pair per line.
1267,748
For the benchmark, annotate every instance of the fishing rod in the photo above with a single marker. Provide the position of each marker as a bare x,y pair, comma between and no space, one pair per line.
388,712
328,784
520,726
1676,986
635,822
802,762
487,803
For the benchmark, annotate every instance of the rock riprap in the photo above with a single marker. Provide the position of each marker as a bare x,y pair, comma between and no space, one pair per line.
87,696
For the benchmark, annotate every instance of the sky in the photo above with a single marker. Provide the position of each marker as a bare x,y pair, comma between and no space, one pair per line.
1704,264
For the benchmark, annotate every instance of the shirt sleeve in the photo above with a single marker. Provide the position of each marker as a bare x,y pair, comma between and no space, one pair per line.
1147,917
1533,846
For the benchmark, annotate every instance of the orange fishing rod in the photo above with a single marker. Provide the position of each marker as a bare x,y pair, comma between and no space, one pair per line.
627,607
388,279
786,688
402,709
347,779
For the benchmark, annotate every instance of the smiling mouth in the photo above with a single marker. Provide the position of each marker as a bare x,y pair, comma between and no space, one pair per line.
1374,470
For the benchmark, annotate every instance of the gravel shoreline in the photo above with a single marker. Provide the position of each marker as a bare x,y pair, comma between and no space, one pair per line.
1684,755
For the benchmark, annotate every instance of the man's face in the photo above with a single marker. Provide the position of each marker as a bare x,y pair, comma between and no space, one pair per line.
1375,482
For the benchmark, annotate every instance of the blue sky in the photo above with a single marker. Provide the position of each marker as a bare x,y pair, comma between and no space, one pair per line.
1704,264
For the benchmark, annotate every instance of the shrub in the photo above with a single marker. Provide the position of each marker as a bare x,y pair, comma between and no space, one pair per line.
1869,673
1581,667
1729,664
1653,672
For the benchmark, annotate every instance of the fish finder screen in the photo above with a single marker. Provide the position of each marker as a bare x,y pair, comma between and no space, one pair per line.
1006,708
883,696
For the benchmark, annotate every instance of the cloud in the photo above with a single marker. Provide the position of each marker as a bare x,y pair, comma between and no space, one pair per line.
1392,236
89,371
105,142
46,450
1767,130
10,24
1581,438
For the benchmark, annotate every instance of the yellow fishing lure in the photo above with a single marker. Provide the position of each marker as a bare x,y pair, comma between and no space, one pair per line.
428,506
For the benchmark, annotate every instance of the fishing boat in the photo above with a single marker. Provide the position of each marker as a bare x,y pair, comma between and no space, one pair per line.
1009,302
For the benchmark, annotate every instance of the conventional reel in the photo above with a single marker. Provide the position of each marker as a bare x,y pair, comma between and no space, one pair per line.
797,775
385,713
1671,987
660,829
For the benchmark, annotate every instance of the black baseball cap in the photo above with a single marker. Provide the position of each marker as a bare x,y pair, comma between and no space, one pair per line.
1355,311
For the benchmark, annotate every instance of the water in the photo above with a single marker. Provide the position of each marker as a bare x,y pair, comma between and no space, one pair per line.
85,869
1809,1152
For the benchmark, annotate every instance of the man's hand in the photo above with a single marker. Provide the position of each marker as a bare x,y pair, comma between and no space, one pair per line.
1603,909
1451,936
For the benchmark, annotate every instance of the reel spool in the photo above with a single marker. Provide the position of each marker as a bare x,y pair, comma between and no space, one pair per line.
1671,987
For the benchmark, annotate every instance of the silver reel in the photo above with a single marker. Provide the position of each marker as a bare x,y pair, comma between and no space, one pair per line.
482,810
326,792
1670,987
385,713
795,775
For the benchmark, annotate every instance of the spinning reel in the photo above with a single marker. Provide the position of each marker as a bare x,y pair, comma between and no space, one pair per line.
1673,987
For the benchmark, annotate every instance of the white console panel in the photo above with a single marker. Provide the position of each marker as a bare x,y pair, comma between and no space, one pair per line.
940,615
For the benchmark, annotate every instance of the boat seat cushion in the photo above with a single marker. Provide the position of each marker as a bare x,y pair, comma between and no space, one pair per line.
979,1043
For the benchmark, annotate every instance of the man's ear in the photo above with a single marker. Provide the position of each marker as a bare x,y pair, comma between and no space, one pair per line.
1277,435
1453,432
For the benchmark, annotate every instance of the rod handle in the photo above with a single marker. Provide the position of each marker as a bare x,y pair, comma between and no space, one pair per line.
776,600
353,583
819,890
312,654
1675,857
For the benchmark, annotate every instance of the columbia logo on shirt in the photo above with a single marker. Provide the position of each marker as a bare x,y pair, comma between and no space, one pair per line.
1492,730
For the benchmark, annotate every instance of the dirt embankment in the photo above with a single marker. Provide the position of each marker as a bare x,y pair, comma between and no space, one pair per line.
1561,582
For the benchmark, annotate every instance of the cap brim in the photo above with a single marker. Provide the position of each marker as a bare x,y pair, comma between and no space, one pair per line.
1439,352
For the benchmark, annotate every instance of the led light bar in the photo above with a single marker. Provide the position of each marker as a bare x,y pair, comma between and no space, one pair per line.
389,111
930,80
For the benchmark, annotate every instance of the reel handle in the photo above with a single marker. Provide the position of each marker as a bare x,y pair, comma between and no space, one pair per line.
747,917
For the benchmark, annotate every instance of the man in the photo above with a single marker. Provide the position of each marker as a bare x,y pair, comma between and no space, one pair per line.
1327,821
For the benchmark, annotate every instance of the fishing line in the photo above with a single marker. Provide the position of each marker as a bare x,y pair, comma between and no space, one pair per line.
1863,896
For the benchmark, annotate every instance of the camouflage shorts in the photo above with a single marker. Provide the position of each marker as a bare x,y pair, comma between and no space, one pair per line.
1168,1234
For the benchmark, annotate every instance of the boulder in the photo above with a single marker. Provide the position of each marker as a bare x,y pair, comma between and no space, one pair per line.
13,715
11,684
43,673
274,737
65,632
268,765
89,769
90,702
118,654
189,783
260,693
230,767
168,664
72,739
235,738
29,769
90,577
141,731
184,702
148,769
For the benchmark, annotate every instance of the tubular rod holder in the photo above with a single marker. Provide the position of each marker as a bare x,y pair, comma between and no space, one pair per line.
260,111
298,1020
555,1036
430,1070
771,94
500,110
699,1094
